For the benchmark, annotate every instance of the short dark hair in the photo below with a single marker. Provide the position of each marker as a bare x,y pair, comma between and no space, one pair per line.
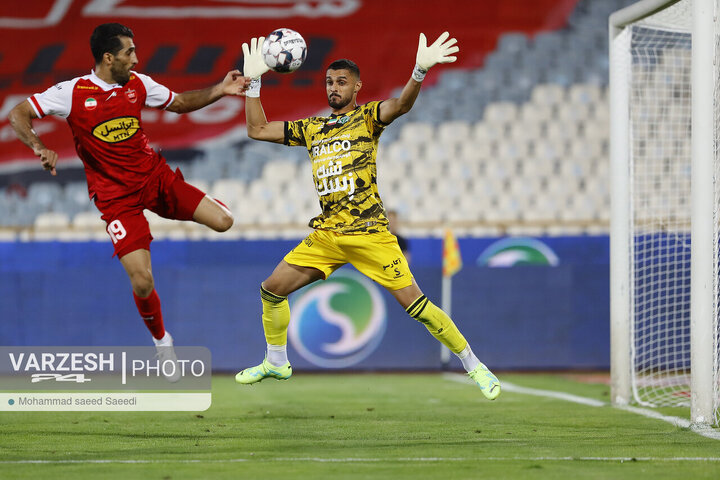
345,64
104,39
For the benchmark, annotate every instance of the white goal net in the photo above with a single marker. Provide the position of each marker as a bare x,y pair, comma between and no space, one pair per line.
651,60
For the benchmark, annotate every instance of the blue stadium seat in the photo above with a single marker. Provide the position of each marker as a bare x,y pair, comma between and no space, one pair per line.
45,196
513,43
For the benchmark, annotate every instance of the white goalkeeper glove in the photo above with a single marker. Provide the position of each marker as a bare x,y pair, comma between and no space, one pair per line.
439,52
254,65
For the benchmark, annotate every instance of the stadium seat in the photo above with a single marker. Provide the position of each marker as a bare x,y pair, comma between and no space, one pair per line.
548,43
512,43
500,113
477,151
44,195
75,198
417,132
487,132
500,61
547,94
453,80
50,225
585,94
573,112
229,191
205,170
405,152
512,151
164,228
532,112
89,225
453,131
525,130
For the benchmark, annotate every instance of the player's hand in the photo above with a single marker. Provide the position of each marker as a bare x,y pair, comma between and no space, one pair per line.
439,52
254,65
48,159
235,83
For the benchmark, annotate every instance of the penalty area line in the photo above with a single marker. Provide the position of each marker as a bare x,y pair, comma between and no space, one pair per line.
707,432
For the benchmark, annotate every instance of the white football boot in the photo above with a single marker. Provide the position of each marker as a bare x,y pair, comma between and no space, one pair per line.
165,353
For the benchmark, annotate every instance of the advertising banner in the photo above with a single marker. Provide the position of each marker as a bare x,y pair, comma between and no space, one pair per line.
522,303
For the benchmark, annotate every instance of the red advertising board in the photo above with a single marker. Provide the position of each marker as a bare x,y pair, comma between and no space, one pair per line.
190,44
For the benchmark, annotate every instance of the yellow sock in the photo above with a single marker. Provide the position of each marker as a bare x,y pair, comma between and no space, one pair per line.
438,324
275,317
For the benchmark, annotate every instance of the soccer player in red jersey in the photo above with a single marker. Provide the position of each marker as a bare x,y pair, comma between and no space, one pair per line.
124,174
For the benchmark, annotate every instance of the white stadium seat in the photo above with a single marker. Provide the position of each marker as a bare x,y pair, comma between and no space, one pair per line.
454,131
500,113
416,132
548,94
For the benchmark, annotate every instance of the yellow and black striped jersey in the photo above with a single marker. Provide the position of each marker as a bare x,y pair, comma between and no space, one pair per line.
343,151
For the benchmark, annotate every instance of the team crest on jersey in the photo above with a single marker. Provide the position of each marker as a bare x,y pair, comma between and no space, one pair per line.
336,120
117,129
90,103
131,95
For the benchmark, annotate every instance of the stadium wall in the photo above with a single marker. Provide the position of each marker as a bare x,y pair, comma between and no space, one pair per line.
547,309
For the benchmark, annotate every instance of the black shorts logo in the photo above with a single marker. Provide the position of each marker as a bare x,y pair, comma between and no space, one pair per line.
395,262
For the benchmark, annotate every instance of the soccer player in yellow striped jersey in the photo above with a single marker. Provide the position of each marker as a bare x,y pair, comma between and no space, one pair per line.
353,225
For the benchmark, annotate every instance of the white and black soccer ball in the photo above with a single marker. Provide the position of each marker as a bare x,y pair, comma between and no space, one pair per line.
284,50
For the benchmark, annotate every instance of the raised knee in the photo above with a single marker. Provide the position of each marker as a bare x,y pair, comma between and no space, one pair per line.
224,222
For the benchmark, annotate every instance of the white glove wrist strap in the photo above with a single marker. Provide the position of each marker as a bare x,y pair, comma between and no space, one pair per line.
418,73
253,90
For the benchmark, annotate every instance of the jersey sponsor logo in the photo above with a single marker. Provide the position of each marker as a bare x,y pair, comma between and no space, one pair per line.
86,87
90,103
511,252
329,180
131,95
334,147
117,129
339,322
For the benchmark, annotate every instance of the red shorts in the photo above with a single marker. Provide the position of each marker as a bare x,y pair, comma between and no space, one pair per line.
165,193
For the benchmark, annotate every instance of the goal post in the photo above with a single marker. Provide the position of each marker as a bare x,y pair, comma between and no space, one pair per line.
664,206
704,232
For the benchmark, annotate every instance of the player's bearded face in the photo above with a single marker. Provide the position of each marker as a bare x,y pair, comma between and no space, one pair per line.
340,86
124,61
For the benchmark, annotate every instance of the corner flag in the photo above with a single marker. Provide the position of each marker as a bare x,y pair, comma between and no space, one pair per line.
452,262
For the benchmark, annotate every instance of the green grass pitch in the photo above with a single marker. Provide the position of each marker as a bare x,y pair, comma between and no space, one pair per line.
396,426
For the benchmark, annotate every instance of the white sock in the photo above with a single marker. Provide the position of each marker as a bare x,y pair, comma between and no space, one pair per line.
277,355
165,341
468,359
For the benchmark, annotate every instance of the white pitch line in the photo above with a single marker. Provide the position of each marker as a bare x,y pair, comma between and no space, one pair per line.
369,460
511,387
707,432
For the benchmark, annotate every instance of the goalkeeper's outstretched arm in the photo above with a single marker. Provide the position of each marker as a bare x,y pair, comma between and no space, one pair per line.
254,66
441,51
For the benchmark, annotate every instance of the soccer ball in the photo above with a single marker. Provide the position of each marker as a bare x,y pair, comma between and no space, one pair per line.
284,50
